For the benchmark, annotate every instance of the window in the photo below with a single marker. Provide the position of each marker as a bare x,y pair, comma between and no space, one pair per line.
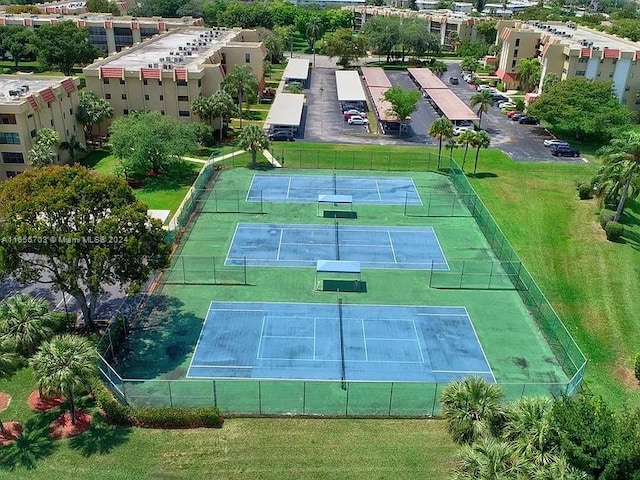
638,101
122,81
30,115
580,73
160,82
51,121
513,63
9,138
124,96
181,83
614,61
146,97
107,96
247,58
145,82
517,42
161,112
105,81
611,75
624,100
515,53
161,98
71,111
12,157
33,133
125,111
8,119
199,83
11,174
626,89
184,113
183,98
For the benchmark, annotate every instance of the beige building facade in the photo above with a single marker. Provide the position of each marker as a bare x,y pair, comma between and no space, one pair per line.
568,50
168,72
29,104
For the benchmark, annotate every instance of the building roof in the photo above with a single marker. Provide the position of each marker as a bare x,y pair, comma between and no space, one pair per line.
102,17
452,107
18,88
286,110
182,48
381,105
375,77
296,69
349,86
425,78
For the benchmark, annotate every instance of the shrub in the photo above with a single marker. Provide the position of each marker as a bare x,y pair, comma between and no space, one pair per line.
177,417
606,216
585,191
113,410
7,71
614,231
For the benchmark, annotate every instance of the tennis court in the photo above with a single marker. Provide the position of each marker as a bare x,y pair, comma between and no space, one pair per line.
311,341
283,245
306,188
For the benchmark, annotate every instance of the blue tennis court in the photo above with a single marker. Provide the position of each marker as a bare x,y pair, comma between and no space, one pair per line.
284,245
312,341
306,188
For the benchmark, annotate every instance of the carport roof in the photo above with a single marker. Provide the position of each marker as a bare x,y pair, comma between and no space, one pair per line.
296,69
381,105
286,110
375,77
349,86
452,107
426,78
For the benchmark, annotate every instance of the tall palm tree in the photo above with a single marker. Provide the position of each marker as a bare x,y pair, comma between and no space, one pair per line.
202,107
253,138
529,426
73,146
242,84
623,156
470,408
313,32
92,110
223,107
64,365
465,139
481,139
441,128
483,100
25,321
9,361
528,71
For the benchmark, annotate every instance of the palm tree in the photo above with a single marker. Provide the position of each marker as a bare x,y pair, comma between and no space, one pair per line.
224,108
470,408
253,138
441,128
622,155
242,84
25,321
528,71
483,100
465,139
438,67
73,146
481,139
313,32
9,361
202,107
92,111
489,459
529,426
64,365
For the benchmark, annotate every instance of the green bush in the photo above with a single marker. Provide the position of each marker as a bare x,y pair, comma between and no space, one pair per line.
585,191
501,86
113,410
614,231
7,71
606,216
177,417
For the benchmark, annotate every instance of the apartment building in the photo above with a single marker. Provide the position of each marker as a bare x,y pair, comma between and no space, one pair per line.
166,73
29,104
569,50
108,33
442,23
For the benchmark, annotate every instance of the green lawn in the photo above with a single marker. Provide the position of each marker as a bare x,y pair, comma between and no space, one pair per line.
253,448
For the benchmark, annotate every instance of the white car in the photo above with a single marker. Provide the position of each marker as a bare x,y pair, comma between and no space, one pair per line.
506,105
554,141
357,120
461,128
486,87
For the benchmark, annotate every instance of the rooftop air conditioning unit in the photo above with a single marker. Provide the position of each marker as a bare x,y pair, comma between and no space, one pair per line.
188,43
24,88
189,54
149,65
14,93
170,67
155,65
180,48
161,59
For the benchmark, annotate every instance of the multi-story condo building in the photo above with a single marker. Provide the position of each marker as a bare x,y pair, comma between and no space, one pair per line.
166,73
569,50
442,23
29,104
108,33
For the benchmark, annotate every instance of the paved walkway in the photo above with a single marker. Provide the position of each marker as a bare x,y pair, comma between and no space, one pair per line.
271,159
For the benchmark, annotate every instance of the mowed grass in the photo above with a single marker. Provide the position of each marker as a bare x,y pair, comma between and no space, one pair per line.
255,448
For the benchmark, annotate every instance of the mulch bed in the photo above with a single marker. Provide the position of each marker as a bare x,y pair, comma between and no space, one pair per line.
62,427
13,429
5,400
40,404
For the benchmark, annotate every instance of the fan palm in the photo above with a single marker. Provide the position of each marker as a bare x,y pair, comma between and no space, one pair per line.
252,139
441,129
489,459
470,408
64,365
25,321
481,139
73,146
528,425
465,138
9,361
242,84
483,100
313,32
528,71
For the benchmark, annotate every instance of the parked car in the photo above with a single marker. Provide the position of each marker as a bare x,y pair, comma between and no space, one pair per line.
357,120
457,130
564,151
281,136
489,88
453,80
350,113
499,98
528,120
513,112
507,104
554,141
517,117
350,106
468,77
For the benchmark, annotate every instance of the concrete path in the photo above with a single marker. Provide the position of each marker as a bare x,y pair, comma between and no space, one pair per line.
270,158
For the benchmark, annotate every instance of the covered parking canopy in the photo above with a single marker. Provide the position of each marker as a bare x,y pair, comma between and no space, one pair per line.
286,111
349,86
375,77
425,78
297,70
450,105
381,105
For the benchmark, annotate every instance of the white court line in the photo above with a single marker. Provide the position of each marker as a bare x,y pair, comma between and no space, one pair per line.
280,244
234,309
233,239
332,305
415,330
480,344
393,250
462,371
222,366
314,336
441,251
385,339
378,190
416,190
246,198
264,317
288,359
195,350
364,340
285,336
441,314
288,188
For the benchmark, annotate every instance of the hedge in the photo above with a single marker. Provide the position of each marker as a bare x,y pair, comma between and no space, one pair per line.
614,231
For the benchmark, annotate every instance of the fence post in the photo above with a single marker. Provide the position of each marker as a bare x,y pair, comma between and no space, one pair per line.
260,397
346,406
170,396
184,275
391,398
238,201
215,394
245,270
261,204
435,399
406,199
304,398
213,262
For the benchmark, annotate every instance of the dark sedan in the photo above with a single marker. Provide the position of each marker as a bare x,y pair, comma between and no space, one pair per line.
528,121
282,136
517,117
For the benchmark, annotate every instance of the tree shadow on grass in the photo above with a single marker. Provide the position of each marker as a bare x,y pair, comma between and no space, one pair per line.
178,174
100,439
33,445
481,175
